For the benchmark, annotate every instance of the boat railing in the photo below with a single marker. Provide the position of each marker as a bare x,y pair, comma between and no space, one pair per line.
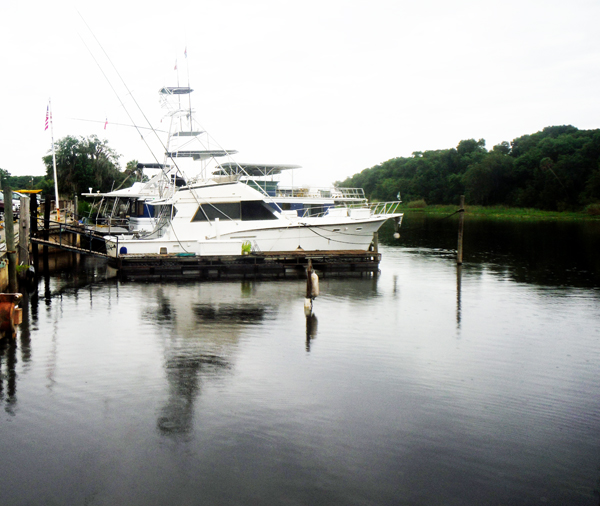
321,192
363,210
385,208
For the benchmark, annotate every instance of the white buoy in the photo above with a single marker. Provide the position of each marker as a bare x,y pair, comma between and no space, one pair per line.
314,289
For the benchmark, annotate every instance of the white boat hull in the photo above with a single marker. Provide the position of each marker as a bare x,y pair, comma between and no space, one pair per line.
356,235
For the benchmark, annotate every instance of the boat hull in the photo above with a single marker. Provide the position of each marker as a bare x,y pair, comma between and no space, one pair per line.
332,236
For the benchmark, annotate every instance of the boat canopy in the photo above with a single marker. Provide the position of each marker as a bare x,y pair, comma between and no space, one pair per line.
175,90
187,134
201,155
252,169
135,190
152,166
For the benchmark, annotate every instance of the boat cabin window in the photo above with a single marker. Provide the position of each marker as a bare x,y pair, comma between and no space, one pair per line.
256,210
144,210
313,209
228,210
246,211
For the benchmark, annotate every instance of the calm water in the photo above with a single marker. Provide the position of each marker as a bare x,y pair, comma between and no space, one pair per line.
425,385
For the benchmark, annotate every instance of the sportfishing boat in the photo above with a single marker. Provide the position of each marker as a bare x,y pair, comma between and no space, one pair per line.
129,210
230,218
228,208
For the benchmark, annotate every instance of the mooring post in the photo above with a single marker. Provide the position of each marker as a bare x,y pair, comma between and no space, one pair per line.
24,231
9,235
461,226
308,299
309,279
47,204
33,228
376,242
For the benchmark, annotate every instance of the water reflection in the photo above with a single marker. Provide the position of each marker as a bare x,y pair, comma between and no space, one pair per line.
183,375
9,357
556,253
458,294
364,410
204,322
8,376
311,329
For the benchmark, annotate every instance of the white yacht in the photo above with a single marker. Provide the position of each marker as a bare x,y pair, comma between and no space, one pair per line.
230,208
229,218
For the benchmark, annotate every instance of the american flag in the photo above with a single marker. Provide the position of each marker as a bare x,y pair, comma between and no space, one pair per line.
105,123
185,52
47,116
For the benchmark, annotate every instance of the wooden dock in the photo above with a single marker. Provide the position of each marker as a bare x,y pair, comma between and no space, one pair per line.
253,266
258,265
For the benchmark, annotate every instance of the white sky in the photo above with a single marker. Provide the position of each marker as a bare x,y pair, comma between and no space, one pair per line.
335,86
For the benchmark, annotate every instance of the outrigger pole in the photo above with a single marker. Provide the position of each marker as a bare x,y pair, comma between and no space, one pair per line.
54,161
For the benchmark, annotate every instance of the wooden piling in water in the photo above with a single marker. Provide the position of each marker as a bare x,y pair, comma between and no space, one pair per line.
24,231
33,228
461,225
46,231
309,271
376,242
9,236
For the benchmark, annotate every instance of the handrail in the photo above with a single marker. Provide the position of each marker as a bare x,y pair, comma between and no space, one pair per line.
375,209
67,228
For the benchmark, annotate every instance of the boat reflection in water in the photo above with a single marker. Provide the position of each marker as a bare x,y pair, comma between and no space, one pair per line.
204,323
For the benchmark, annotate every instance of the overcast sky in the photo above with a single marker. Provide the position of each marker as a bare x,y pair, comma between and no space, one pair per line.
333,86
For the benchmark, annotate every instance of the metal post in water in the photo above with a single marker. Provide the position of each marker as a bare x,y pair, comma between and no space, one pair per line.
461,225
9,235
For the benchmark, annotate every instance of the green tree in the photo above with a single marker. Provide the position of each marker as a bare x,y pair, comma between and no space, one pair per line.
83,163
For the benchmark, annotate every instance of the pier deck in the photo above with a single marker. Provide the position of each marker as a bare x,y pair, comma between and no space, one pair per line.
252,266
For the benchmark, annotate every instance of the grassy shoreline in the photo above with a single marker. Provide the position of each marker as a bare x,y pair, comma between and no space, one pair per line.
501,212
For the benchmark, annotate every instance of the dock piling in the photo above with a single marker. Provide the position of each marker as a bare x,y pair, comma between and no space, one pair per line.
9,236
24,230
461,225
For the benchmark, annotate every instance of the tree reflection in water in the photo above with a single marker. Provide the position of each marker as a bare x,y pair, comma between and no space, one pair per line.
183,375
202,336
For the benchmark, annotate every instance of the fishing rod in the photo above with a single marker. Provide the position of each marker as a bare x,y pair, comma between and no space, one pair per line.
117,124
130,93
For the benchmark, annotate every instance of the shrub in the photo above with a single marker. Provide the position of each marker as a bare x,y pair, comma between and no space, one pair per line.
593,209
417,204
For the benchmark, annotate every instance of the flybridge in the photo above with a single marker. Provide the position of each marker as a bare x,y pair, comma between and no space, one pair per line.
204,154
175,90
263,169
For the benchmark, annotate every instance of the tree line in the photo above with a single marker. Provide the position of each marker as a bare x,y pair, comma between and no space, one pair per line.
81,163
557,168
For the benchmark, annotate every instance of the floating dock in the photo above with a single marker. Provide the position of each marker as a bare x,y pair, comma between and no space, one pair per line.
288,264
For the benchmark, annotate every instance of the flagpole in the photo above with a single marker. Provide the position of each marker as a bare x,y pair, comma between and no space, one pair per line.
187,65
54,162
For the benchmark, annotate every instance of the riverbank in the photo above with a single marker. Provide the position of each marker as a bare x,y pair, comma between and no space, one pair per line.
501,212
